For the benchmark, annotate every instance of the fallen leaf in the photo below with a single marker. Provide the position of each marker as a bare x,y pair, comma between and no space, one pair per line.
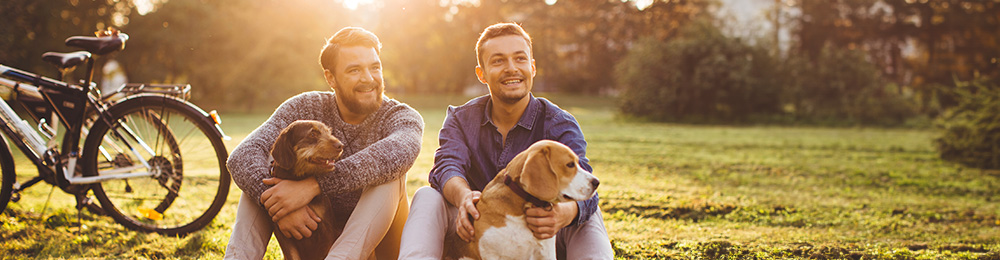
150,214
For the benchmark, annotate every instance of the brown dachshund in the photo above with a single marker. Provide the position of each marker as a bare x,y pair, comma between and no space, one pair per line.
305,149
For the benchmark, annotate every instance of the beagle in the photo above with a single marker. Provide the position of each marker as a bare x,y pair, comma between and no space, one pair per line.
304,149
547,172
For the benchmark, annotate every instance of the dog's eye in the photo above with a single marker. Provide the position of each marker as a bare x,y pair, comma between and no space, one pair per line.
570,164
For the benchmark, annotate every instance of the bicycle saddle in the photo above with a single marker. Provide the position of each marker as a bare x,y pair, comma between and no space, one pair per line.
66,60
98,45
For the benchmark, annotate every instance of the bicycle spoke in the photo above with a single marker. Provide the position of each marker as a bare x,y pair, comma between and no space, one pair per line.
183,151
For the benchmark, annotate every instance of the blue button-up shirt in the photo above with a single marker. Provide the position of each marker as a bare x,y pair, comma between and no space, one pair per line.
472,148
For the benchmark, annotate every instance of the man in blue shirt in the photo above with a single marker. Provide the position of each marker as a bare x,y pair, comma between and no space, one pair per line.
479,138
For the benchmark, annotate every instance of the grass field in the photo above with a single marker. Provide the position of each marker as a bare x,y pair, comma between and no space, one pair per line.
668,191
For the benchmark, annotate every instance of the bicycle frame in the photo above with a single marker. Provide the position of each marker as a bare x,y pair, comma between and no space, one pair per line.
71,114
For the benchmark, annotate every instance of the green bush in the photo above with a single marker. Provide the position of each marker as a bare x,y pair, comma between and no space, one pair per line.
972,128
842,85
701,76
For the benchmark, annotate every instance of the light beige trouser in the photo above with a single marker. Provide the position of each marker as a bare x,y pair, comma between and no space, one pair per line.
431,217
372,231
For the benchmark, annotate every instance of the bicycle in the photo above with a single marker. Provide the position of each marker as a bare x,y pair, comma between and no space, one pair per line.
145,157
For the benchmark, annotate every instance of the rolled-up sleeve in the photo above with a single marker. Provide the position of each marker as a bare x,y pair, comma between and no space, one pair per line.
452,157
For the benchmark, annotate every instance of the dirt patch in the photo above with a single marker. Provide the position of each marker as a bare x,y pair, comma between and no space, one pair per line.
695,210
963,248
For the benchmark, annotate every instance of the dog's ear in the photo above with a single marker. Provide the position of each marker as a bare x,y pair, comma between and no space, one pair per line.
283,150
537,175
516,165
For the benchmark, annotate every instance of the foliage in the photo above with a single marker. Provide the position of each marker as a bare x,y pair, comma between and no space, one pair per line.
252,54
923,44
704,75
226,47
228,53
701,75
434,54
972,128
31,28
577,43
843,85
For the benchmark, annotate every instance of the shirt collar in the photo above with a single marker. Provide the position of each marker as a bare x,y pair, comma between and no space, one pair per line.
527,120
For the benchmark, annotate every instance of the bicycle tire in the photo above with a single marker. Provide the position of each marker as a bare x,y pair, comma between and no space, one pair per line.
174,202
9,175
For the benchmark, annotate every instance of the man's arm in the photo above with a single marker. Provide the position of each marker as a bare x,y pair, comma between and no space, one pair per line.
457,192
567,131
451,160
249,162
385,160
546,222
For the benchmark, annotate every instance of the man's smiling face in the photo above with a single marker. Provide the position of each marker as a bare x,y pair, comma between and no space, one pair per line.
357,79
508,68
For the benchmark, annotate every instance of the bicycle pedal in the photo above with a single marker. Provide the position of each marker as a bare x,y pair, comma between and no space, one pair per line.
15,197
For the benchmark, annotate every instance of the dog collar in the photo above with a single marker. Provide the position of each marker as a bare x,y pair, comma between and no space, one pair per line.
524,195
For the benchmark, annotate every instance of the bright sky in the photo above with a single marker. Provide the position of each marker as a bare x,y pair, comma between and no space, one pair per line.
353,4
642,4
143,6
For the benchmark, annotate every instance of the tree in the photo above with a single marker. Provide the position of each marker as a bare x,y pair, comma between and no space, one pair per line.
245,54
428,48
579,42
31,28
972,128
702,75
950,38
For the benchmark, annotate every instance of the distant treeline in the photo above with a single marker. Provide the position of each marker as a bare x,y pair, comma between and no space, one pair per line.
859,61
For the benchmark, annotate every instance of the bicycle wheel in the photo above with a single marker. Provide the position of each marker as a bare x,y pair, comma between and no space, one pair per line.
173,140
9,176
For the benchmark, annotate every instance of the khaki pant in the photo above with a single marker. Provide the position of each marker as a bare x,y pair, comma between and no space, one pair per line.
373,230
431,216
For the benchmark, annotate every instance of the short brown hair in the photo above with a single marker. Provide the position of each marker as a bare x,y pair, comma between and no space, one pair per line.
497,30
348,36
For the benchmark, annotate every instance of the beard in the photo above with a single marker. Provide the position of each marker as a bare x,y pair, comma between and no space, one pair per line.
511,96
352,102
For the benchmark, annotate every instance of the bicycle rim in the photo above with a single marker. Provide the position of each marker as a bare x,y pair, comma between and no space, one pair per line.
177,144
9,177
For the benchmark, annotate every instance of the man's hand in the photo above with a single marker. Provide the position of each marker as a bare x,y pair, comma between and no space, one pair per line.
466,208
287,196
544,223
299,223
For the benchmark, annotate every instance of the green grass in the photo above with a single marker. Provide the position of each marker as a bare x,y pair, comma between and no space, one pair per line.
668,191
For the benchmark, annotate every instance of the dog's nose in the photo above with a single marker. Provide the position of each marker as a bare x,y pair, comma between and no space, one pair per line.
338,145
594,182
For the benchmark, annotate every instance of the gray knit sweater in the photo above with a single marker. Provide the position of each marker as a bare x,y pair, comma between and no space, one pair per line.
380,149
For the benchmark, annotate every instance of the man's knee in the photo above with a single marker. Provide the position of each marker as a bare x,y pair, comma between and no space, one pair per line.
251,231
394,189
587,240
423,234
427,197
